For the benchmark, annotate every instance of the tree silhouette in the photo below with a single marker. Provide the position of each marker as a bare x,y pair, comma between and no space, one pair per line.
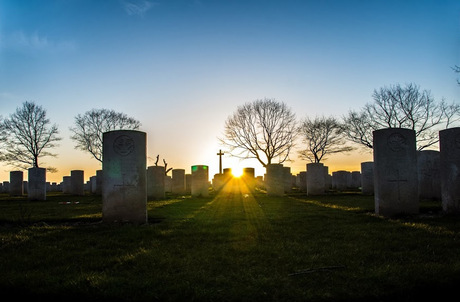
264,130
89,128
402,107
26,136
321,136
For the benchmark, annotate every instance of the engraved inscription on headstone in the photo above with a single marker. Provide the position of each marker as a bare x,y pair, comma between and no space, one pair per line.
395,172
449,145
123,145
396,142
124,190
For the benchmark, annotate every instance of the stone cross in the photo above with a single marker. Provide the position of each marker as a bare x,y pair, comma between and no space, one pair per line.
220,160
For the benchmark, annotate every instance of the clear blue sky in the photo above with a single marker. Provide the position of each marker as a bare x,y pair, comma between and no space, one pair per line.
182,67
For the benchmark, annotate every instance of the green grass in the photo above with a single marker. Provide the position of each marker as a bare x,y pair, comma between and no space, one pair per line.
230,247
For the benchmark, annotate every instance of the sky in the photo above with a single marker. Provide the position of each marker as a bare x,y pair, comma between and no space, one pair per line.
182,67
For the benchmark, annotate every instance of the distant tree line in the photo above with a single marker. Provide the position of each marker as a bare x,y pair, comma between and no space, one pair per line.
266,130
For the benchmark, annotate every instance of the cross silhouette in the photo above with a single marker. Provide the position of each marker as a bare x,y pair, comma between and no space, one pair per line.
220,160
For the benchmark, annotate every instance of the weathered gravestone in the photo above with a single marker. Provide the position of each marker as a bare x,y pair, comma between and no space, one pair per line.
302,181
36,184
200,180
355,179
449,147
77,182
124,190
99,182
178,181
93,182
367,178
156,182
16,183
274,182
287,179
429,182
341,179
316,183
66,184
188,183
395,172
249,178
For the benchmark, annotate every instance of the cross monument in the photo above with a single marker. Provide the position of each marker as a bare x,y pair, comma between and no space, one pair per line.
220,160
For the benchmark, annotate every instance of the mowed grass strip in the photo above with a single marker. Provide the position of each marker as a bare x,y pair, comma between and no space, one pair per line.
236,245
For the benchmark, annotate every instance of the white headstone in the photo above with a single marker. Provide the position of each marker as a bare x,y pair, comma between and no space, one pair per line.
156,182
178,181
302,177
200,180
395,172
341,179
316,183
449,147
66,185
77,182
16,183
124,190
274,182
367,178
248,179
429,178
36,184
99,182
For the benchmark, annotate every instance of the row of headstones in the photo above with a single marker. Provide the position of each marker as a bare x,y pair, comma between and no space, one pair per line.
157,183
399,175
429,184
126,176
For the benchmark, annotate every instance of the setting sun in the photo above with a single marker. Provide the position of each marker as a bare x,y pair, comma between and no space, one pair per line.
237,171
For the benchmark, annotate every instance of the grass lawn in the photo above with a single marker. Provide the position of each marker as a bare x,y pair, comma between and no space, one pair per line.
231,246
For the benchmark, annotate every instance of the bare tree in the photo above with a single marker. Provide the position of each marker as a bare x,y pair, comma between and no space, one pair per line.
264,130
322,136
89,128
402,107
457,70
26,136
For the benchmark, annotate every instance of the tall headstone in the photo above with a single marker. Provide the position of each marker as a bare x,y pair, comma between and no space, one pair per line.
156,182
395,172
77,182
36,184
16,183
275,180
178,181
302,181
429,178
355,179
93,181
367,178
66,185
99,182
200,180
315,179
249,178
449,147
341,179
188,183
124,190
287,179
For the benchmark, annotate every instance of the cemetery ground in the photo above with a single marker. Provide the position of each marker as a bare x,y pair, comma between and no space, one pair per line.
231,246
